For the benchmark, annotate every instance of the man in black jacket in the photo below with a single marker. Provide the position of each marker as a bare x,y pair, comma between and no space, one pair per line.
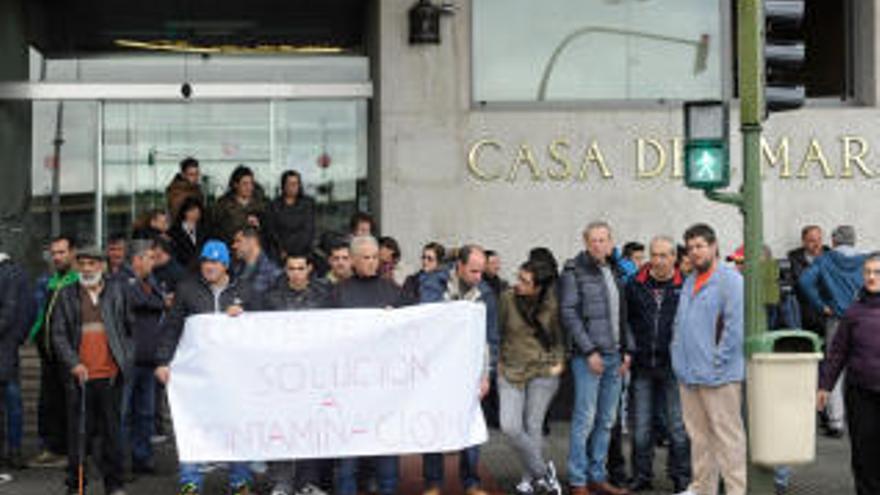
147,304
91,333
52,407
652,300
366,289
801,259
296,292
212,291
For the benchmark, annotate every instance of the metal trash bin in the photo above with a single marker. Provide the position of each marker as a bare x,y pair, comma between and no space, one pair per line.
781,384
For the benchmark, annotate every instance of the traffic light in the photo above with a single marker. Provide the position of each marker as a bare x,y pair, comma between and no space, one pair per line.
706,151
784,55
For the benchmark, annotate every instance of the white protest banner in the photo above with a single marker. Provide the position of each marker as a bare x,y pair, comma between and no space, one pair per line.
329,383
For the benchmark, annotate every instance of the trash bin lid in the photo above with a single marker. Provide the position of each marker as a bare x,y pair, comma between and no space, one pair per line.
784,341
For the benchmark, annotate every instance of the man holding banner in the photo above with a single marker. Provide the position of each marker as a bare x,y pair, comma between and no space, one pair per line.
295,292
366,289
211,292
463,282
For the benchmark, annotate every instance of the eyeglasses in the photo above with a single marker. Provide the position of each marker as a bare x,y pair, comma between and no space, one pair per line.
428,258
869,272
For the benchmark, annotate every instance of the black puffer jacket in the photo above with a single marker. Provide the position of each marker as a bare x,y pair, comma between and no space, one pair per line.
118,323
193,296
651,307
585,308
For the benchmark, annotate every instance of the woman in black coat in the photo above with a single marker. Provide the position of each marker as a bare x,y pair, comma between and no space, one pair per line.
188,233
290,220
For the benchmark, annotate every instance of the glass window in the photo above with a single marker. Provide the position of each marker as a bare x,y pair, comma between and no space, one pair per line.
77,171
326,141
596,50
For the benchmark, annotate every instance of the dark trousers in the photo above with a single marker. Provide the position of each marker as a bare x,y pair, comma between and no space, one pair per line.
138,416
103,405
52,408
3,422
468,468
863,421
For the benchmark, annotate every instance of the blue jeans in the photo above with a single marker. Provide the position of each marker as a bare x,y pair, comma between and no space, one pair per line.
139,412
191,473
386,475
12,398
468,465
646,387
595,409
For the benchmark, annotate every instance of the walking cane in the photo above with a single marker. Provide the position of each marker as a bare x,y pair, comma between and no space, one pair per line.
81,438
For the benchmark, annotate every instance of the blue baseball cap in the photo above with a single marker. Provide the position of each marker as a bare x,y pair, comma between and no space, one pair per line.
215,250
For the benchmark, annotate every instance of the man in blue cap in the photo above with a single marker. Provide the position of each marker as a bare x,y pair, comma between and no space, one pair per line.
211,291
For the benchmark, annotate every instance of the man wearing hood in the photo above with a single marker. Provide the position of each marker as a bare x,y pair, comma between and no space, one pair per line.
831,284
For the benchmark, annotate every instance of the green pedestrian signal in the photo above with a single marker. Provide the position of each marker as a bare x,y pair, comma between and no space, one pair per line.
706,156
706,164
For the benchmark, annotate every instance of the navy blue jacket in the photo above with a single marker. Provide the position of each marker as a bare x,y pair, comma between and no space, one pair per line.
651,307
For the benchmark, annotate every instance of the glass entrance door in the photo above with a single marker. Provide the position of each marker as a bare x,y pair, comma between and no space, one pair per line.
144,142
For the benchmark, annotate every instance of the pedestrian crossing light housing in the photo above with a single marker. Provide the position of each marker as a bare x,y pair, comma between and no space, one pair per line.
706,151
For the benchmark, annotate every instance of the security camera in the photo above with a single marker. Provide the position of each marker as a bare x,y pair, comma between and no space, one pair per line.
186,90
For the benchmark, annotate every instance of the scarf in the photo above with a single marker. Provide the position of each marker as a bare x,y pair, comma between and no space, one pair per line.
54,285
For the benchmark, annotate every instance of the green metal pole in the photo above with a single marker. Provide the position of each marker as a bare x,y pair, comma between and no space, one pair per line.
751,88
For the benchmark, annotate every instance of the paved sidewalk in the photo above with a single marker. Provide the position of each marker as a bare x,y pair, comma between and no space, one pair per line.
830,474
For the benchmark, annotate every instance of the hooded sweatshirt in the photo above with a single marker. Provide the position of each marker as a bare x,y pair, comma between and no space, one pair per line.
833,280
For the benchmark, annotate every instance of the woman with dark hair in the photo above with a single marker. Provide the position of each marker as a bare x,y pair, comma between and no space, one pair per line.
856,349
290,219
187,233
242,205
531,360
432,259
389,260
151,225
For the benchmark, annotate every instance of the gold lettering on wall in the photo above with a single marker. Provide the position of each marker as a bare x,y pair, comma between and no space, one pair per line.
815,155
782,154
642,171
849,157
557,150
473,159
677,158
594,155
524,156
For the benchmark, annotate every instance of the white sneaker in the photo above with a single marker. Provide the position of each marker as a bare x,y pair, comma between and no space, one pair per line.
280,489
550,483
524,487
686,492
5,478
310,489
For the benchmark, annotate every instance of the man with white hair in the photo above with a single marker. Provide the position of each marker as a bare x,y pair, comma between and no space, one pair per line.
366,289
91,333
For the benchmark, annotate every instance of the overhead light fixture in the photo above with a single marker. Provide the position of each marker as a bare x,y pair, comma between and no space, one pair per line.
182,46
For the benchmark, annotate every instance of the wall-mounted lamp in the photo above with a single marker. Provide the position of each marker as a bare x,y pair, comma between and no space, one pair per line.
424,21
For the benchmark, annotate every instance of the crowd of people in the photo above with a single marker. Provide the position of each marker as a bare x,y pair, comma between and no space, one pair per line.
654,328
